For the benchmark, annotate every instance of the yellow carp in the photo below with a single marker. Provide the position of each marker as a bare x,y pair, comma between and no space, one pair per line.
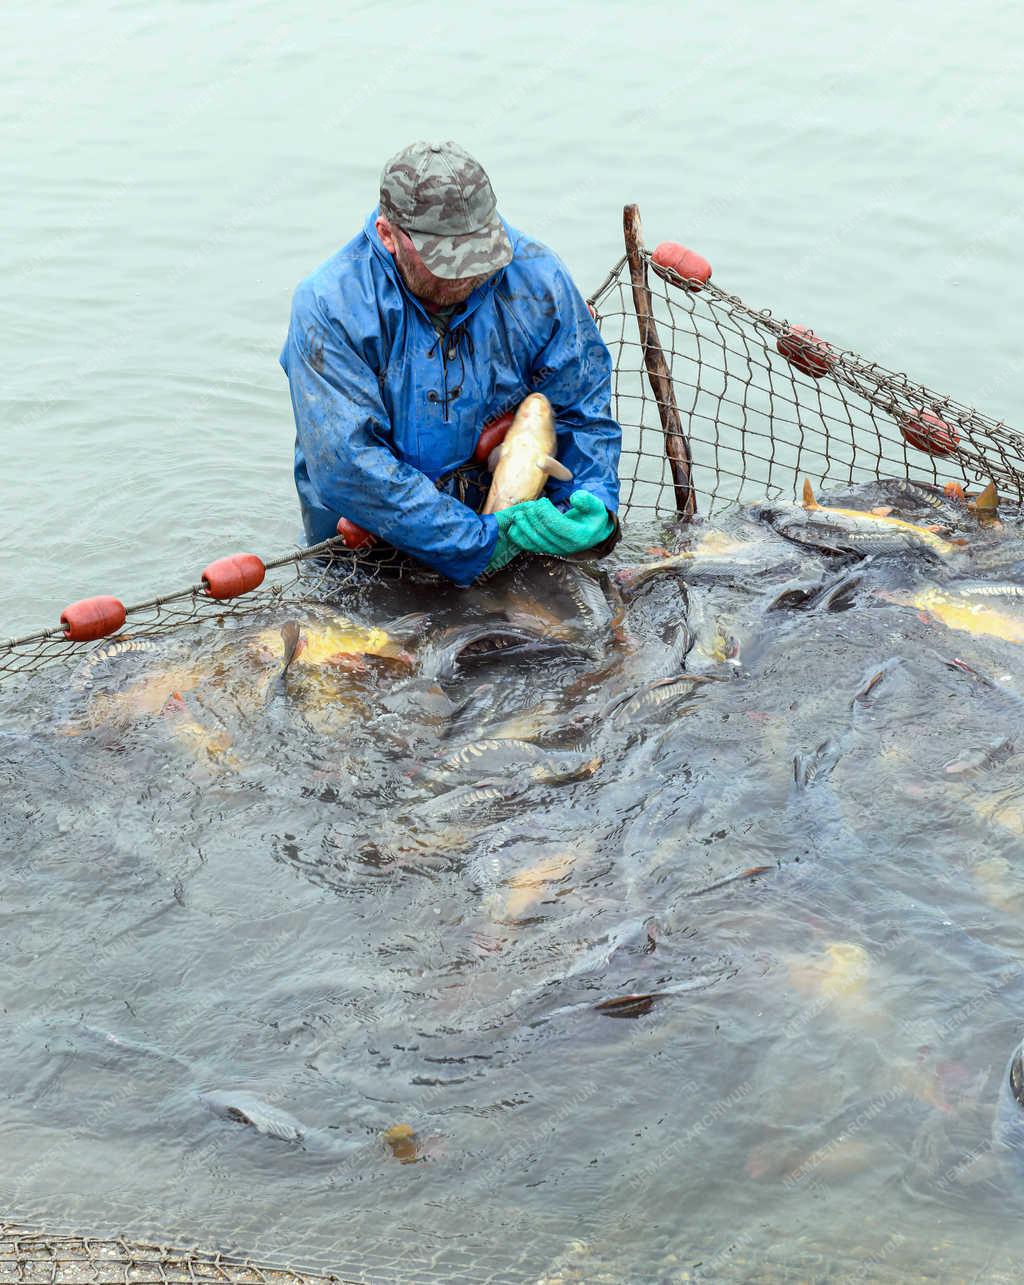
339,642
142,698
523,462
874,521
962,612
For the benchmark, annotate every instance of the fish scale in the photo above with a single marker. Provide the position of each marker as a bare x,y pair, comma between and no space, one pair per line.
526,459
504,746
86,672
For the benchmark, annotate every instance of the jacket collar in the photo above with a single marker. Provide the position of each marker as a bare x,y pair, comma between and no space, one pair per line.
386,260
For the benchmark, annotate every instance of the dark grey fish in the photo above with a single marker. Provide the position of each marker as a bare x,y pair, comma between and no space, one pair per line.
101,655
873,678
751,873
698,983
241,1107
983,679
977,760
471,645
835,593
655,696
1008,1124
478,756
468,800
422,701
817,764
247,1109
515,759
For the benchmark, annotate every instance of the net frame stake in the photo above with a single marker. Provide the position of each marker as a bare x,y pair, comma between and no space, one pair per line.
677,447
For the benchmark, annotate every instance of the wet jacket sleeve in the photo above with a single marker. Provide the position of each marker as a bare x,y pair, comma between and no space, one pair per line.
574,371
343,431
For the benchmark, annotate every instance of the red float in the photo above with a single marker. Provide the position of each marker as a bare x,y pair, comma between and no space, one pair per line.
355,537
92,618
234,575
688,264
803,349
492,435
929,433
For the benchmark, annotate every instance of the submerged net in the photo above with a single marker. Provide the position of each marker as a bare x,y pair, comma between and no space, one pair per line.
311,575
30,1257
756,423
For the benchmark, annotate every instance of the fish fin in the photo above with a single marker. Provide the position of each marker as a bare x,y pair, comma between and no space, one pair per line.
553,468
293,643
884,511
809,501
987,501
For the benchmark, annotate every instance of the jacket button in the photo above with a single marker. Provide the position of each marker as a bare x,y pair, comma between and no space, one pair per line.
454,393
432,396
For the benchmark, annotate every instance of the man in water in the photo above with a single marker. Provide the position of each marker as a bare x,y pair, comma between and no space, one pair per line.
435,320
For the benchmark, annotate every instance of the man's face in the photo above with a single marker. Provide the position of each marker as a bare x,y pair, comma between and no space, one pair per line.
437,292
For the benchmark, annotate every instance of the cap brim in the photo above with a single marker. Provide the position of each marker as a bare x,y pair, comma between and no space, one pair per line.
473,254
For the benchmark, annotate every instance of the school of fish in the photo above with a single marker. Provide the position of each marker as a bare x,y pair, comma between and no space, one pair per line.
617,785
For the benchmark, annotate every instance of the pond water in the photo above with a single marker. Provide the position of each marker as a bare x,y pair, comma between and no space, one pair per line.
230,895
584,927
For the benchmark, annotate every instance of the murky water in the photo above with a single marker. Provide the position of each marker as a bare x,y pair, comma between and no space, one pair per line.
228,896
662,976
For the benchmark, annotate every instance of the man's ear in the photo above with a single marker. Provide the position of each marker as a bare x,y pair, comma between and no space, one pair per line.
384,232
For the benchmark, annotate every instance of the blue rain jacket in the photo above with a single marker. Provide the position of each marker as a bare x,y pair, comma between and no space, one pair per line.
384,407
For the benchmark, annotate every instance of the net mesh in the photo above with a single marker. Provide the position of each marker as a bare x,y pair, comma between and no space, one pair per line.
757,424
754,420
32,1257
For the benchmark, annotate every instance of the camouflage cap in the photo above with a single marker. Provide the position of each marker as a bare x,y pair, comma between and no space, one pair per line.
442,198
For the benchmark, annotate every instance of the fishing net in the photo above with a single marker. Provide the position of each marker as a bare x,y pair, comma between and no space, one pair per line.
744,403
30,1257
757,421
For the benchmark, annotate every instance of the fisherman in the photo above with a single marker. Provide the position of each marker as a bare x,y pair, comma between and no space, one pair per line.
434,321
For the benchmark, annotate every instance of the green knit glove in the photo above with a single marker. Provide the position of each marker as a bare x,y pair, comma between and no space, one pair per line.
538,527
504,550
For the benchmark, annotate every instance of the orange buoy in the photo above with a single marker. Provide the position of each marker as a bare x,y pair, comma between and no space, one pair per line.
92,618
234,575
355,537
492,435
688,264
803,349
928,432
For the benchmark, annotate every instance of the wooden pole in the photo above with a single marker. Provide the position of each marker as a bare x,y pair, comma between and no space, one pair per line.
677,448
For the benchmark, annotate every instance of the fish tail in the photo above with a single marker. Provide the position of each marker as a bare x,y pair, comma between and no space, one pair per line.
809,501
